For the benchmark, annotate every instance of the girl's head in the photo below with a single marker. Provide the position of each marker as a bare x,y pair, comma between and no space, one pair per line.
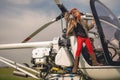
75,13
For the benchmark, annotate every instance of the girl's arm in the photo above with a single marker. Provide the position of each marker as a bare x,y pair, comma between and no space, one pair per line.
70,28
66,16
88,26
91,25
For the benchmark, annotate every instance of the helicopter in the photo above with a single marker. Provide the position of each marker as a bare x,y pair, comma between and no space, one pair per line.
54,59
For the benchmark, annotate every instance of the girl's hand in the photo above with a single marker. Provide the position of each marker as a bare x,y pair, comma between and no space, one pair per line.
66,16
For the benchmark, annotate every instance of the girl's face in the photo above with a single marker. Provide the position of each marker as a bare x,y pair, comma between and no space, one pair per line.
75,13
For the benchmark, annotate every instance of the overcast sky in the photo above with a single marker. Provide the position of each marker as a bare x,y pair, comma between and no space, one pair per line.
19,18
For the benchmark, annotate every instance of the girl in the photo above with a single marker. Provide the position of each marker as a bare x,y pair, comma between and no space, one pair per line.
80,28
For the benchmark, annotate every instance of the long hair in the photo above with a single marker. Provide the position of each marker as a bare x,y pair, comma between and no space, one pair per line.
72,10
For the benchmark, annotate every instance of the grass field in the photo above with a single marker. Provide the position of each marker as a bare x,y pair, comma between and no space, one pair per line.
7,74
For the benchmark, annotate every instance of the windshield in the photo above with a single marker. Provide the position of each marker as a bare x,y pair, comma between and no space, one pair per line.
108,27
109,21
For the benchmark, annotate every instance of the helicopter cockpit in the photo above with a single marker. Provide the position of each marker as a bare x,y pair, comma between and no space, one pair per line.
108,28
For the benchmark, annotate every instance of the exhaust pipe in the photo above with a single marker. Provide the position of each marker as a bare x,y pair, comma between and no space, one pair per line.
21,74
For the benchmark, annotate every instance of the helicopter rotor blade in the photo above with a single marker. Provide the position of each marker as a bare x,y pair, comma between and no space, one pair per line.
62,8
38,30
28,45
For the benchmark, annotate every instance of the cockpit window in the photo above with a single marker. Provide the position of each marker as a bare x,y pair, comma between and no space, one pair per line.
109,21
111,29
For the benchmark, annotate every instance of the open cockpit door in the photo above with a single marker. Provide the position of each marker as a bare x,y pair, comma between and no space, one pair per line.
108,28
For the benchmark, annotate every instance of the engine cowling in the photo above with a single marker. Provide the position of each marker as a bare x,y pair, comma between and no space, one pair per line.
39,55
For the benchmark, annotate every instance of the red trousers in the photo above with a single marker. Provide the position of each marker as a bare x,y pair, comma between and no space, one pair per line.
80,41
